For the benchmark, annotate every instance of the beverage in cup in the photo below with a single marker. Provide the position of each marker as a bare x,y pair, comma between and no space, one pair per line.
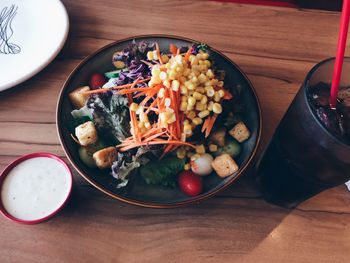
310,150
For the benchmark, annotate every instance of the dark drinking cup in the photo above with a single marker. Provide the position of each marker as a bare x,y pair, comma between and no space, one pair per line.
309,151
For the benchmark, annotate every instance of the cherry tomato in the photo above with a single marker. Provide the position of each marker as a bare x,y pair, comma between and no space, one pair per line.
97,80
190,183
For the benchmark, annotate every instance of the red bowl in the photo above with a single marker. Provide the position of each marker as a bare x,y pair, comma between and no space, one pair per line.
6,171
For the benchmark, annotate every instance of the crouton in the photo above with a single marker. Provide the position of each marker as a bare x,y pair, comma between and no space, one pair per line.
218,137
86,133
224,165
104,158
240,132
77,99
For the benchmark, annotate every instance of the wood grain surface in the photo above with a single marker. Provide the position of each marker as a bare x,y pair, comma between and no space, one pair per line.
276,47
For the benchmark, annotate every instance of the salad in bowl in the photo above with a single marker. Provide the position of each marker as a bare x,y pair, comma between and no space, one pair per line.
164,116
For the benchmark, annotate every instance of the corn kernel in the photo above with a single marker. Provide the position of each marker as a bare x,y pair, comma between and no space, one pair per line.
200,90
221,93
197,121
181,153
184,98
203,68
165,58
150,55
166,83
189,108
205,56
214,82
195,157
210,105
199,56
192,57
189,134
190,85
197,95
178,59
207,63
191,101
186,122
183,90
203,114
191,115
187,167
210,74
155,55
216,96
167,102
147,125
200,149
210,91
217,108
167,65
175,84
207,83
186,72
194,80
204,99
183,106
156,80
172,119
200,106
172,74
143,117
213,147
134,106
202,78
178,69
140,109
163,76
188,129
182,79
220,84
140,125
194,61
161,93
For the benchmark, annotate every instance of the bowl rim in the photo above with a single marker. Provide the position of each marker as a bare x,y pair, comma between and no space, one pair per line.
149,204
21,159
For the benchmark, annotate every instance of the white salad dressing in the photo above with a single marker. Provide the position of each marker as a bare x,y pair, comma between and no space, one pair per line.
35,188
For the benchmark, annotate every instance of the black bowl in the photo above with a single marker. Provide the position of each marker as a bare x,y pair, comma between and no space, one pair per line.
140,193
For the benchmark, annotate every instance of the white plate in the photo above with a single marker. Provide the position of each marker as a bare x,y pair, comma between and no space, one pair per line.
32,32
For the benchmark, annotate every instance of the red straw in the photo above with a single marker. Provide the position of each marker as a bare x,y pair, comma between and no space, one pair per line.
344,26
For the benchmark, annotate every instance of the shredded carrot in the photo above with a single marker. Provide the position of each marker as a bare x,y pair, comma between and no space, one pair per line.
129,146
173,49
150,107
227,95
188,54
132,90
158,54
210,125
113,88
178,51
147,63
205,124
167,149
151,131
150,138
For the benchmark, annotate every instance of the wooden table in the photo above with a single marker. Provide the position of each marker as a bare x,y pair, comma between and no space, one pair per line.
276,47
